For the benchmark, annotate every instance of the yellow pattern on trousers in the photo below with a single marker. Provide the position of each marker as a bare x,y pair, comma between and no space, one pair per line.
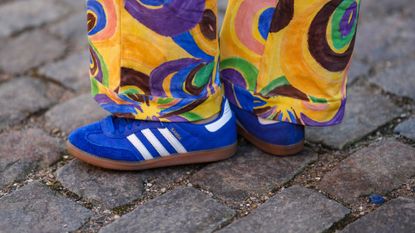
283,60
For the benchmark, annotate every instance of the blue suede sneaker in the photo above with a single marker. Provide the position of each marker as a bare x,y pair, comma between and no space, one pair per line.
276,138
125,144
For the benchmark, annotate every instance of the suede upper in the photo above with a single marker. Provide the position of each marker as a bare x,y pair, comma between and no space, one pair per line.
125,139
278,133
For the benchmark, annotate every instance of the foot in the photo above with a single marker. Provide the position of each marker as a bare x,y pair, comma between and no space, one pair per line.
125,144
276,138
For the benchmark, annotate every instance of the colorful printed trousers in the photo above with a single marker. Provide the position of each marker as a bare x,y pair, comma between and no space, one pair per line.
161,60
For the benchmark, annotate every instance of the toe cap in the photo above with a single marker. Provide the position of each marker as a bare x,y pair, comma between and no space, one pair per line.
92,140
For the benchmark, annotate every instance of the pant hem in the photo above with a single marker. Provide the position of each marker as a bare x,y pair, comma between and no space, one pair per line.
156,108
287,109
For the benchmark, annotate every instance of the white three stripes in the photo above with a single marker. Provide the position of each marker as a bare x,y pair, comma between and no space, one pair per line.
219,123
172,140
156,143
140,146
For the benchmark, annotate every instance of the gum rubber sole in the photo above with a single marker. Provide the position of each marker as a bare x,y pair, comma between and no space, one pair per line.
205,156
269,148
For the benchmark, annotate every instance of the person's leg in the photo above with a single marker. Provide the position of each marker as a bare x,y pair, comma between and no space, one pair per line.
155,59
154,66
287,61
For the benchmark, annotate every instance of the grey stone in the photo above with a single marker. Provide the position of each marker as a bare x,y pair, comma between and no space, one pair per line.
358,69
111,188
251,172
4,77
398,79
379,168
181,210
386,39
378,9
72,72
73,29
296,210
29,50
367,110
77,5
19,15
407,128
222,4
35,208
74,113
21,97
396,216
24,151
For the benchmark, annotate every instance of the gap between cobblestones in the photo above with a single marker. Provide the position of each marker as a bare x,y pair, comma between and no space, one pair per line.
103,216
150,192
42,26
35,74
362,77
108,216
351,217
308,177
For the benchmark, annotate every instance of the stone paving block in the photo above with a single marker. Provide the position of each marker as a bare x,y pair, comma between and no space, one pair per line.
4,77
250,172
358,69
112,188
77,5
72,72
398,79
16,16
29,50
35,208
385,39
407,128
21,97
396,216
24,151
73,26
296,209
375,9
367,110
222,4
74,113
74,29
379,168
182,210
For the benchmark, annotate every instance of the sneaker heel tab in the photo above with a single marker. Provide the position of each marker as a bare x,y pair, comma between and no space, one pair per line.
225,116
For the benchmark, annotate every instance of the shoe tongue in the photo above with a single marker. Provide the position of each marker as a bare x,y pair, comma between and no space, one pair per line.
107,125
115,125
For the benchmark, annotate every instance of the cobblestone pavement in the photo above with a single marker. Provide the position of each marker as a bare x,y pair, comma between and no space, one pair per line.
328,188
